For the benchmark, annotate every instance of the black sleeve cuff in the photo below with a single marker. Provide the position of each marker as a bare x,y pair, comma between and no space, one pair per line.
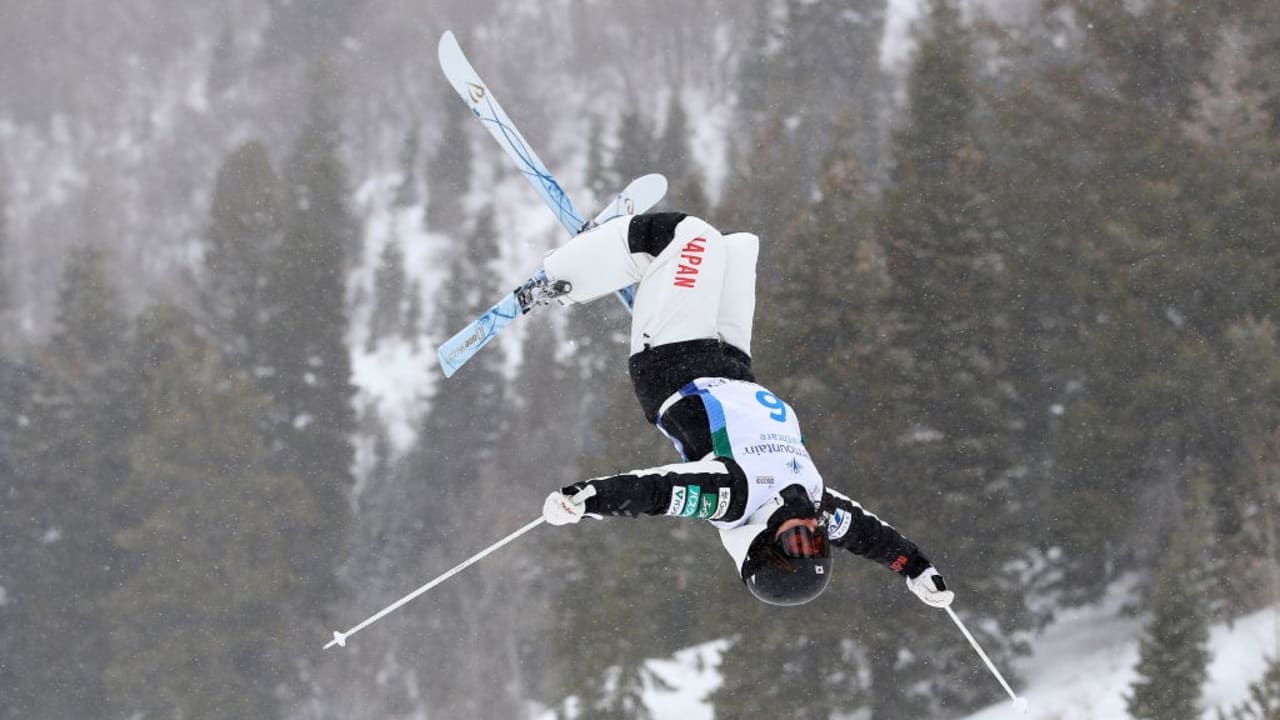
623,495
915,565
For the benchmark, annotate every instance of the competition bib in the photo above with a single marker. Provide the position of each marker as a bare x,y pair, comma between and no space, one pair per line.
760,432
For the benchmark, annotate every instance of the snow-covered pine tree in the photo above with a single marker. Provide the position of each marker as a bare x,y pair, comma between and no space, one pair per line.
674,156
460,482
1252,513
245,230
76,431
308,363
1173,655
212,536
951,398
599,176
633,148
448,171
764,189
1166,261
677,161
18,543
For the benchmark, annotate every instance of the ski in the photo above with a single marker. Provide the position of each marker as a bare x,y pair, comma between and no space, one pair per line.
640,195
467,83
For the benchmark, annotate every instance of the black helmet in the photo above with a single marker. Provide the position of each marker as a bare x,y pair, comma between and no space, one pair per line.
791,569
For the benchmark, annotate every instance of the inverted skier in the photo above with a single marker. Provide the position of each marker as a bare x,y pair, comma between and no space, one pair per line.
745,469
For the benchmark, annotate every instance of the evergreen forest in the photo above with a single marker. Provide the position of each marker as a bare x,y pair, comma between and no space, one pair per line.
1019,277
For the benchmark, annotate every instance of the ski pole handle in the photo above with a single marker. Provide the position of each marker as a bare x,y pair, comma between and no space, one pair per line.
1019,704
340,638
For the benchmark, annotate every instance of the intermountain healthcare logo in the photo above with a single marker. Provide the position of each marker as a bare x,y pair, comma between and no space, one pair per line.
769,448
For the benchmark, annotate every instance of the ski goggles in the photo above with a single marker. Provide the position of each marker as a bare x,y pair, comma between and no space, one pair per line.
801,542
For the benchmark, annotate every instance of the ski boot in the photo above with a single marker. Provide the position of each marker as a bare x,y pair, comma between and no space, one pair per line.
540,290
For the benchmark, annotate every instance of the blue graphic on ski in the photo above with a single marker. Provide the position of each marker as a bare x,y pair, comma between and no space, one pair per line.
467,83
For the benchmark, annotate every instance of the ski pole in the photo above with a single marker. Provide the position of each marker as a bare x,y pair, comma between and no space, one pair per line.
1019,704
340,638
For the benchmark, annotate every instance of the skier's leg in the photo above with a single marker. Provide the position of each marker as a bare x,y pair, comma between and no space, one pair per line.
683,329
681,289
679,263
596,262
737,307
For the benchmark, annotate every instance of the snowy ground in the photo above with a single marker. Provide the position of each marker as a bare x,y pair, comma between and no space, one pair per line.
1081,669
1083,666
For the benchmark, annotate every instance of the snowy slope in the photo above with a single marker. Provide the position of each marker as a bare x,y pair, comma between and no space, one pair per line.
690,677
1083,666
1081,669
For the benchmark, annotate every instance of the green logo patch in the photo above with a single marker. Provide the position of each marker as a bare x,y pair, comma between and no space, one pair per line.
707,506
691,501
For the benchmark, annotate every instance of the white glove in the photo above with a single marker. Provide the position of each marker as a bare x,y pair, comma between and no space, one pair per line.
559,509
929,587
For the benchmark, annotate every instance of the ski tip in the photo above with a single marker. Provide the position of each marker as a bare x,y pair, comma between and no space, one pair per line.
657,180
445,367
647,191
447,41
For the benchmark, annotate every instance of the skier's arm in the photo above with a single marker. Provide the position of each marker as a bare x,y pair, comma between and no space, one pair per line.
859,531
708,489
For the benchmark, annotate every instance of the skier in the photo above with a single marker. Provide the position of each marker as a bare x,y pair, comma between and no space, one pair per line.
745,468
